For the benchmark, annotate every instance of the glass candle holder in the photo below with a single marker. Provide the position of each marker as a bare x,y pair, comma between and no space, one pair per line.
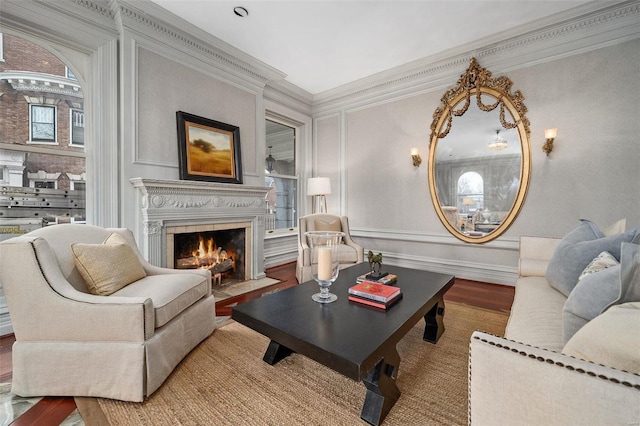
324,261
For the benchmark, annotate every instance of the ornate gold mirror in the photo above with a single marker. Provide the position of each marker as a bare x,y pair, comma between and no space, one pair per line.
479,156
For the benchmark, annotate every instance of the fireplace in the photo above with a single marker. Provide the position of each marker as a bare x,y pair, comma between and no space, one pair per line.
176,214
223,249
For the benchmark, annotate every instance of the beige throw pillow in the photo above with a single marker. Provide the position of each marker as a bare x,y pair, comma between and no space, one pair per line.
334,225
107,267
611,339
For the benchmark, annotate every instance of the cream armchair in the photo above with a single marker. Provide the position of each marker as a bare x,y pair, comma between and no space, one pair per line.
73,343
350,253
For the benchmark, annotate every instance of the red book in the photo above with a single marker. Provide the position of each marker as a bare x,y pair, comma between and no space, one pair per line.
374,303
375,291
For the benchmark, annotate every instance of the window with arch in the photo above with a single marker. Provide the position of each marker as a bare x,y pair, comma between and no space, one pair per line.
42,156
470,193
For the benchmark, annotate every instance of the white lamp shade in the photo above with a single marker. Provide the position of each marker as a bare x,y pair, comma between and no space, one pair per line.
318,186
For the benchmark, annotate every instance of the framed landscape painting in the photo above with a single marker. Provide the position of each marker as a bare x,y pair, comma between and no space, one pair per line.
209,150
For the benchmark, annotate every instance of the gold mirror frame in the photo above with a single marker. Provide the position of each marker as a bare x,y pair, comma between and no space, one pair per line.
477,81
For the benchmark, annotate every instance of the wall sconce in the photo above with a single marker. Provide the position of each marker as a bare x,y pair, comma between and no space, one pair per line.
550,135
319,187
415,156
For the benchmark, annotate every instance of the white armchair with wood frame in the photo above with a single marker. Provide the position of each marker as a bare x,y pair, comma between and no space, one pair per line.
349,252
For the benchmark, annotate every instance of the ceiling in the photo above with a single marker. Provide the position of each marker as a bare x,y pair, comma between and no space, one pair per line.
321,45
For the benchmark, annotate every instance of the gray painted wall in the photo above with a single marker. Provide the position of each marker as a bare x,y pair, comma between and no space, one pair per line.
592,98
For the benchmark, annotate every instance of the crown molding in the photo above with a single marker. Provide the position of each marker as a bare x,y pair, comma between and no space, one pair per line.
152,21
83,25
289,95
588,27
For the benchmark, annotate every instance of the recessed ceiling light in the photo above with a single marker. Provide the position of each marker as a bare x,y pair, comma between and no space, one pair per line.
241,11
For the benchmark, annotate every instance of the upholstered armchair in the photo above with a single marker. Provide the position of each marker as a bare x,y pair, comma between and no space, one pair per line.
349,252
70,342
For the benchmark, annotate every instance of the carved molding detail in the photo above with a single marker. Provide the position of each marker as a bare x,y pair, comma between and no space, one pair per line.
471,83
187,40
152,227
514,44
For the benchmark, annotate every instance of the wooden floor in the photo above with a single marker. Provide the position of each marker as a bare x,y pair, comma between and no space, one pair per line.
50,411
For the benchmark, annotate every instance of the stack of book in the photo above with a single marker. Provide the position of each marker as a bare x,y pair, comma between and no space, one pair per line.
386,279
375,294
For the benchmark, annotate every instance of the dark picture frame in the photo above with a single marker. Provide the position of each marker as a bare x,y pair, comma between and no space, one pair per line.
209,150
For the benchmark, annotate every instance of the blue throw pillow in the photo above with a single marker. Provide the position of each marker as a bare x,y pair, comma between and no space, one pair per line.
577,249
629,275
601,290
589,298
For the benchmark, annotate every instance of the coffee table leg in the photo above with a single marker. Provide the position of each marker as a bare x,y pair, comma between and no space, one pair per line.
435,324
382,391
275,352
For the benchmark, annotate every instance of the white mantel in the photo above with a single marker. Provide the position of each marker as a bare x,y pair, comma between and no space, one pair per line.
180,202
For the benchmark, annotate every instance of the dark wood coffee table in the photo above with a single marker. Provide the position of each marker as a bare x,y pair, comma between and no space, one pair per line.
355,340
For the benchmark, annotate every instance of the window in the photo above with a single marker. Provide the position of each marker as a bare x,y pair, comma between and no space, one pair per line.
49,184
70,75
77,127
470,194
281,176
42,123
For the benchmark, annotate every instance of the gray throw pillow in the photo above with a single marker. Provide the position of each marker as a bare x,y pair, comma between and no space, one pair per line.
592,295
629,275
597,292
577,249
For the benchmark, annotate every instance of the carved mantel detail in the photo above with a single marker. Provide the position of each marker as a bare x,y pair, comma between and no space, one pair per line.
167,203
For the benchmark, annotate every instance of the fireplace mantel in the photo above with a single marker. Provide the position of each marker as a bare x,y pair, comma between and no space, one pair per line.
179,202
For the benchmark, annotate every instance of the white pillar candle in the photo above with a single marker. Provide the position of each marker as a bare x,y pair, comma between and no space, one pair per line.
324,263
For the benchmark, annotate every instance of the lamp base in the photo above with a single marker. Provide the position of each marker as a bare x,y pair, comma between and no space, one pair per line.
319,204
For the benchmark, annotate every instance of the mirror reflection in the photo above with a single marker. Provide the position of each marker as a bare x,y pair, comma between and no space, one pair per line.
479,156
477,171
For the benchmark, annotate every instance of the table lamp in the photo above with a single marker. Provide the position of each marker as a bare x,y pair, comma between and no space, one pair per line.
319,188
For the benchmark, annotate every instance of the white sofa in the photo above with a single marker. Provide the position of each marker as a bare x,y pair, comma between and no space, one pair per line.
73,343
525,379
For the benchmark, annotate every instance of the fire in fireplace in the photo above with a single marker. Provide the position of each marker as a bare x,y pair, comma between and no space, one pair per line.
220,251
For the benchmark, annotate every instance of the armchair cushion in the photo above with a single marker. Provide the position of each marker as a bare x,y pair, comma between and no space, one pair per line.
171,294
108,267
321,225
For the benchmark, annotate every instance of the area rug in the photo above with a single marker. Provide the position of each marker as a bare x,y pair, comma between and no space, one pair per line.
225,382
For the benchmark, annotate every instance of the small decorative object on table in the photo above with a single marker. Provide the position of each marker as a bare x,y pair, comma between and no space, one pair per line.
375,263
375,294
324,261
386,279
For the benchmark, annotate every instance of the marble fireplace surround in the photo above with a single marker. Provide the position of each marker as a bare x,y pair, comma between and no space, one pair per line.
169,204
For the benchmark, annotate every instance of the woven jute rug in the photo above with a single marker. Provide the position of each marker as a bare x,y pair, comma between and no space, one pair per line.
225,382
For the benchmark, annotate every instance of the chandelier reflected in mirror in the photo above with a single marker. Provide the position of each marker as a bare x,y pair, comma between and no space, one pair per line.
498,143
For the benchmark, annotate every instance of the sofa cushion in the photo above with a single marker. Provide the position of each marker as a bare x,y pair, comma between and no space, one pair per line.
629,290
577,249
107,267
171,294
588,299
598,291
611,339
536,314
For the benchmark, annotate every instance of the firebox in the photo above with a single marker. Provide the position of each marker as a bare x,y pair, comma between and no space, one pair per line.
222,251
